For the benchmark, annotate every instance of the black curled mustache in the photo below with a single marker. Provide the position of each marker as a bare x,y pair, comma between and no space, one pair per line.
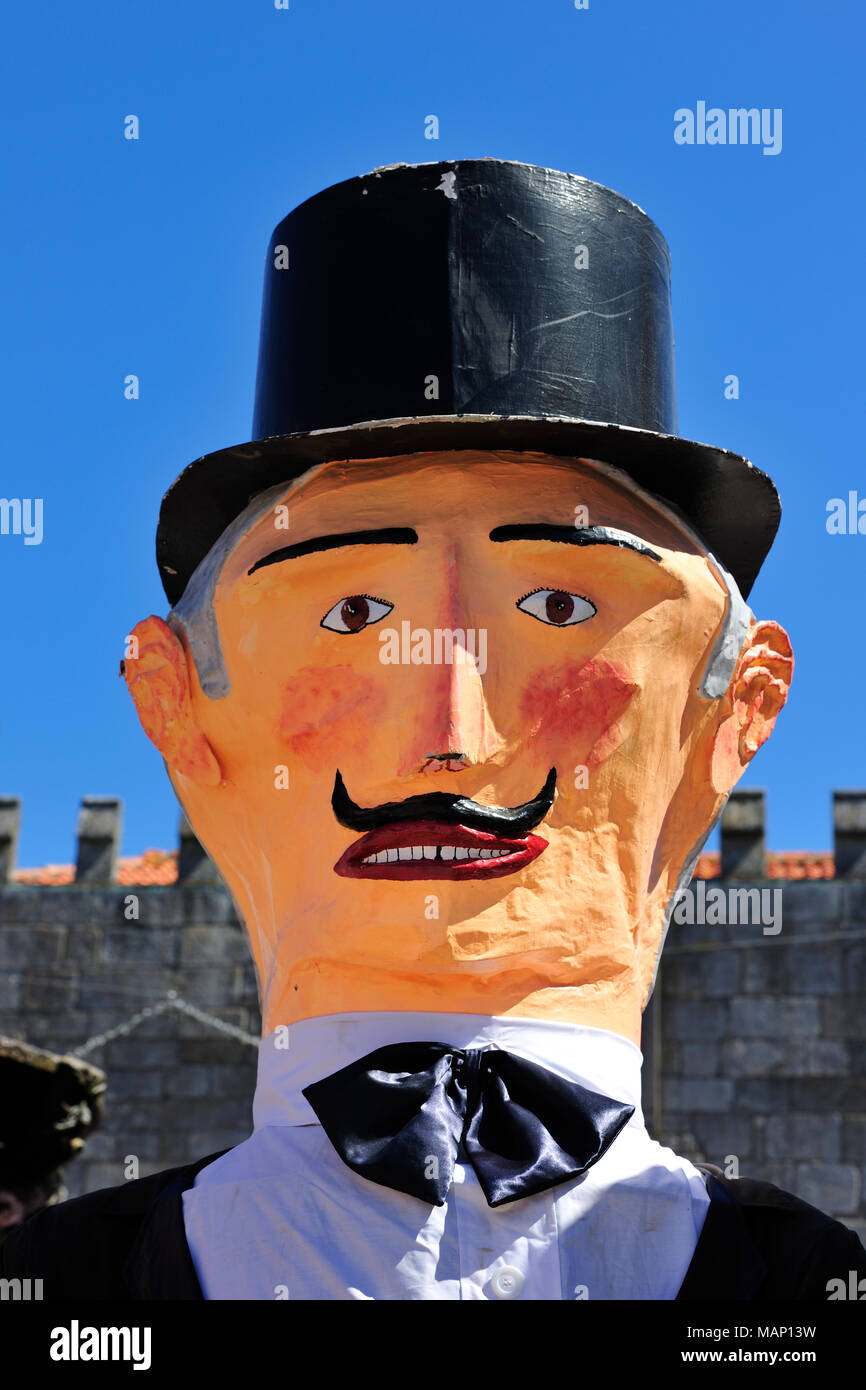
448,810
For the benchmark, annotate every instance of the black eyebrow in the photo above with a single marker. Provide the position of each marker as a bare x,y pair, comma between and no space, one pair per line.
571,535
387,535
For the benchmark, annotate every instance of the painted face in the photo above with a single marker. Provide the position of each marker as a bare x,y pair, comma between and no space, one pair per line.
463,752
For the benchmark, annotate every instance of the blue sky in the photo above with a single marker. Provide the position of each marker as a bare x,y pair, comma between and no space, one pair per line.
147,256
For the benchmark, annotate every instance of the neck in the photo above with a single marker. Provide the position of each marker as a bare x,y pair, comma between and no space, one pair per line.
313,989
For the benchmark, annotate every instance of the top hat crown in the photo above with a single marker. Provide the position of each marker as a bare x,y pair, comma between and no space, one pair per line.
469,304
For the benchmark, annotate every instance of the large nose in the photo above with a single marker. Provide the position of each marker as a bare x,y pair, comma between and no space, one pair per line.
459,730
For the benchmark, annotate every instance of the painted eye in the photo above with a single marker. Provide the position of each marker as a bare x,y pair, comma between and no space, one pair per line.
556,607
355,613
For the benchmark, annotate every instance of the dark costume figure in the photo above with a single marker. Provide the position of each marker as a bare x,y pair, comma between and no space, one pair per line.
48,1106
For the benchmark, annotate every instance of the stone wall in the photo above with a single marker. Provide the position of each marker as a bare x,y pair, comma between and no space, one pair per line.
755,1041
763,1045
73,967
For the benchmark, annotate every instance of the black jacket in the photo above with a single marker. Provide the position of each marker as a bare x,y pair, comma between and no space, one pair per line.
129,1243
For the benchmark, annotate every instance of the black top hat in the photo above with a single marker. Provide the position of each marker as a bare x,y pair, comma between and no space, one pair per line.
469,304
48,1105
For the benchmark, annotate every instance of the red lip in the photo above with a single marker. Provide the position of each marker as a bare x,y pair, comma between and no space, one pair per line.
512,854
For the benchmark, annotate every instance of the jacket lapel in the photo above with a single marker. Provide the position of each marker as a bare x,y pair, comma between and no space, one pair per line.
159,1265
726,1262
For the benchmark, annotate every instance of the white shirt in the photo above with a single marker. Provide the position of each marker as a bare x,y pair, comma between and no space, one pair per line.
281,1216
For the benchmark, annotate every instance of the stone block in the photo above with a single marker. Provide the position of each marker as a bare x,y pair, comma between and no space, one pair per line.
817,1057
833,1188
763,1016
211,945
815,969
214,1049
206,906
10,990
31,947
783,1175
854,1138
811,905
742,834
719,973
192,1113
853,910
124,990
765,970
159,907
798,1136
106,1173
59,1031
849,833
700,1058
10,821
187,1081
844,1016
720,1135
82,946
131,1083
148,1147
102,1144
845,1093
234,1081
210,986
194,865
128,1116
50,993
21,905
98,832
697,1097
138,1051
754,1057
688,1019
133,945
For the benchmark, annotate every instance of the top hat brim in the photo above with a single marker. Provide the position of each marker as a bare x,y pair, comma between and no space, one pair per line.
732,505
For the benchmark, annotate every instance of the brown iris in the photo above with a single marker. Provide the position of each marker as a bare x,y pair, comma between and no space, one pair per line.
560,606
355,612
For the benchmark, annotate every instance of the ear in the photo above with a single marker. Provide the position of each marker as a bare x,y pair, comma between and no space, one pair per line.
157,677
757,692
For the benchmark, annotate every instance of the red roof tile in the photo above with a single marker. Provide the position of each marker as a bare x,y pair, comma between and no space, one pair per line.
789,865
156,867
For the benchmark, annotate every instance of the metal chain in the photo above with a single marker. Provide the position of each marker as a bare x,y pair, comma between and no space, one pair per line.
171,1001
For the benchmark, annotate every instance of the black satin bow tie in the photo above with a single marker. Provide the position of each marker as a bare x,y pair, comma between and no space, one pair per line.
399,1116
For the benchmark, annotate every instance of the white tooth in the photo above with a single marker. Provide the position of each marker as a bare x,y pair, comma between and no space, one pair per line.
393,856
487,853
429,851
475,854
446,851
417,851
405,853
461,853
371,860
382,857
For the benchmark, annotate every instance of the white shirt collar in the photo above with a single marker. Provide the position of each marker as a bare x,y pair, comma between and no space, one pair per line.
298,1054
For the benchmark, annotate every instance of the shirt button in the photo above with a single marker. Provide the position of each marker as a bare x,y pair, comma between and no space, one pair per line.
507,1282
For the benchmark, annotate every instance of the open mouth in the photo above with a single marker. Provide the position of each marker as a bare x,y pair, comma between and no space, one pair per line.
430,849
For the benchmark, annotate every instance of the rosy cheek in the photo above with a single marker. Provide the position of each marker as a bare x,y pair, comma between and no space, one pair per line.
576,706
327,710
